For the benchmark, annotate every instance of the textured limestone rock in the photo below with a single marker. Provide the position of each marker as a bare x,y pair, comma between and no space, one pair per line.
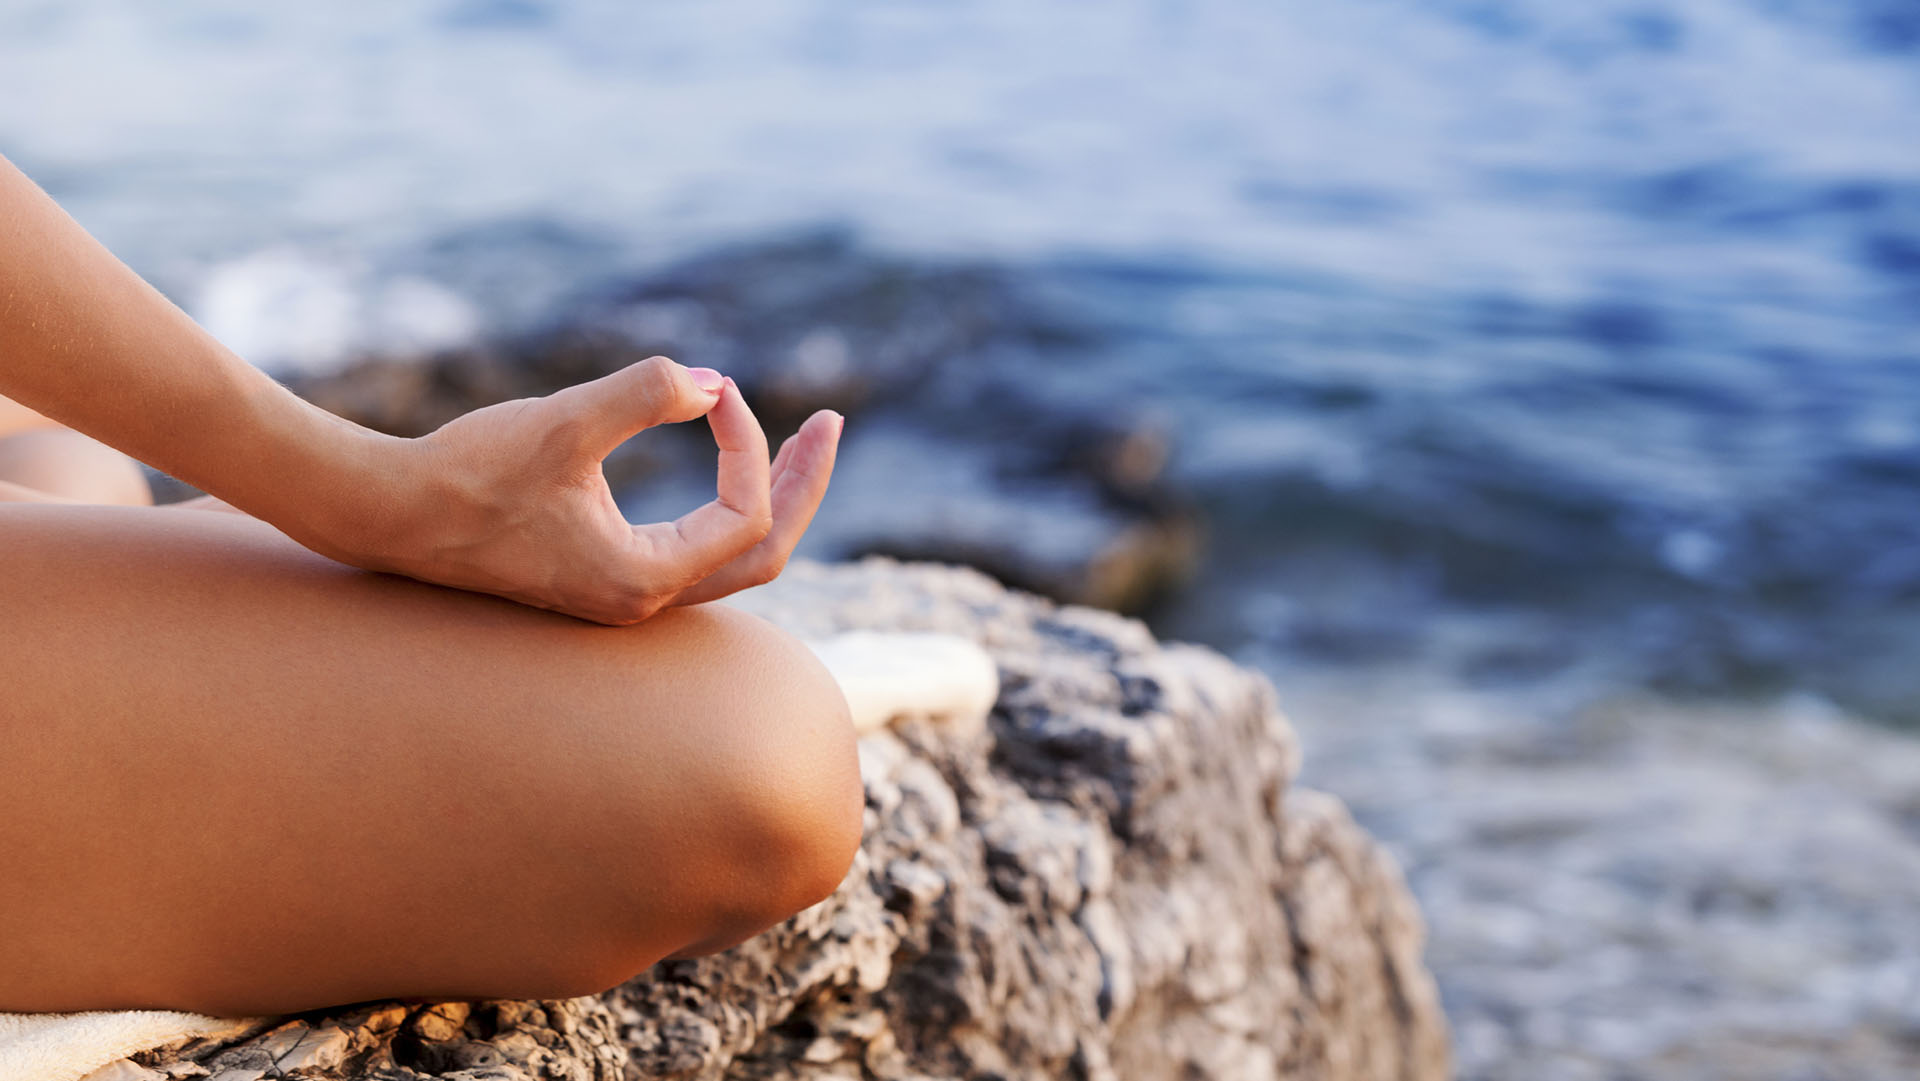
1114,879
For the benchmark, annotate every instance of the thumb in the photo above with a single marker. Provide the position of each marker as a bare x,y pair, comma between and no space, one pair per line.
608,411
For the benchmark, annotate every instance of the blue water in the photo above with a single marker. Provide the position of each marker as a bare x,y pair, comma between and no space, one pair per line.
1599,317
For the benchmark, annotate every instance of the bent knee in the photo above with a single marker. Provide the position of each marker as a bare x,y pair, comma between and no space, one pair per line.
791,774
771,777
704,787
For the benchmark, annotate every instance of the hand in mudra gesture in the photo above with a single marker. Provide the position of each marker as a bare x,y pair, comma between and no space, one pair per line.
511,500
508,500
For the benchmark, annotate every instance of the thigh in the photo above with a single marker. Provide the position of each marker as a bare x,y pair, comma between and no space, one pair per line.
237,776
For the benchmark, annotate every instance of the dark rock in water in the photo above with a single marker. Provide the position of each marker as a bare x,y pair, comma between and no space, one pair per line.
1126,456
1115,879
899,493
945,458
818,322
412,395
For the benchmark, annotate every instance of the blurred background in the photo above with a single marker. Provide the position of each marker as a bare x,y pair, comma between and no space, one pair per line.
1531,388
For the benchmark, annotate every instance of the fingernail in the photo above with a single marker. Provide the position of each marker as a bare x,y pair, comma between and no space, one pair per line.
839,422
707,379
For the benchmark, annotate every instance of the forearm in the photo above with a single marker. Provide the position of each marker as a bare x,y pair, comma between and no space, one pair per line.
86,342
509,499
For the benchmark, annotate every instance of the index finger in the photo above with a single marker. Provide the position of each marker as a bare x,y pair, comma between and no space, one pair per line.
704,539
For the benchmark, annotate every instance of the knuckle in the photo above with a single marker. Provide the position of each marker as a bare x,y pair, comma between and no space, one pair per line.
759,524
659,379
640,605
626,614
769,568
625,605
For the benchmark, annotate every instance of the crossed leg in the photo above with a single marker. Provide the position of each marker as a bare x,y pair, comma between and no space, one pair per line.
40,455
239,778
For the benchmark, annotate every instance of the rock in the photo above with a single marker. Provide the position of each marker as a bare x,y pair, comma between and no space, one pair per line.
818,321
440,1022
805,323
125,1070
317,1050
1115,879
1052,531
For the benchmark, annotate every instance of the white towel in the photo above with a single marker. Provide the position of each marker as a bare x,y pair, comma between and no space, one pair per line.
885,676
888,675
69,1046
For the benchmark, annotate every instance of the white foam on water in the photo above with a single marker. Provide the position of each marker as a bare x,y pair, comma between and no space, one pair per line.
290,312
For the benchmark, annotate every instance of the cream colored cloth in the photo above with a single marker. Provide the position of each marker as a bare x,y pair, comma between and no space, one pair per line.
70,1046
885,677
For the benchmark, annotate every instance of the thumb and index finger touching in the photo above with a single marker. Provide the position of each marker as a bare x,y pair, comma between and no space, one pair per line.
614,408
741,513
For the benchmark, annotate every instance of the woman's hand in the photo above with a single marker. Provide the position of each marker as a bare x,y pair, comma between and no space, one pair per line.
507,500
511,500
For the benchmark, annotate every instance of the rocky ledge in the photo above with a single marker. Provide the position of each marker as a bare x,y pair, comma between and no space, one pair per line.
1115,878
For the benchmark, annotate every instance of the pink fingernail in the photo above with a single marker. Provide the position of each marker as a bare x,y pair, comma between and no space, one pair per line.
707,379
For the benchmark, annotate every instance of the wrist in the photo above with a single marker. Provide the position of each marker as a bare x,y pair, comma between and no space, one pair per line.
367,510
336,487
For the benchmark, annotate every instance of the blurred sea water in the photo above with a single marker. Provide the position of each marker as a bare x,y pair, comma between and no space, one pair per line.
1591,328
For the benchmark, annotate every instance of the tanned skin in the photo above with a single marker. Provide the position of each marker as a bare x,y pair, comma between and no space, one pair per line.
244,771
